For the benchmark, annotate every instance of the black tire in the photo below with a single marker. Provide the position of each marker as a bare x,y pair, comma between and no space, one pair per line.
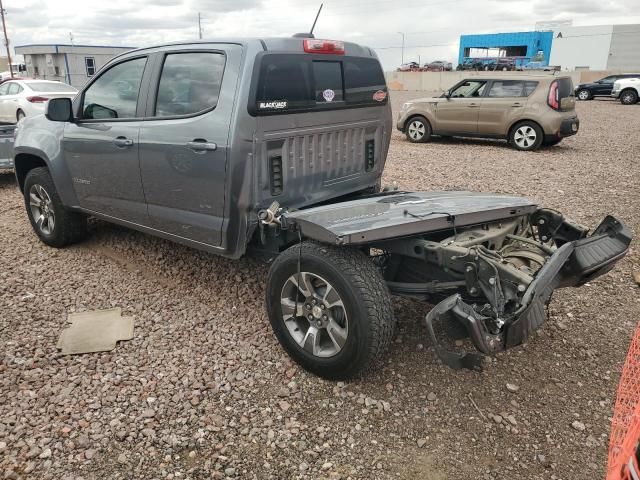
422,129
552,142
20,115
584,94
68,226
533,133
366,300
629,97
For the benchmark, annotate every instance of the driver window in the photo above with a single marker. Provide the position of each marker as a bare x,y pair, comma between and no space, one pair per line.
4,88
115,93
608,80
469,89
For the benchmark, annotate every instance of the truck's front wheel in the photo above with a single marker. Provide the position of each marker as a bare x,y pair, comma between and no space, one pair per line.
53,223
330,309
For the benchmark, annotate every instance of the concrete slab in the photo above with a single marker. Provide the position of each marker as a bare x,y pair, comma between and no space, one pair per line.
95,331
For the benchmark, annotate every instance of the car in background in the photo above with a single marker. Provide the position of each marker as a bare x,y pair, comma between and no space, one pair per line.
470,64
409,67
438,66
602,87
627,90
537,65
22,98
527,110
502,64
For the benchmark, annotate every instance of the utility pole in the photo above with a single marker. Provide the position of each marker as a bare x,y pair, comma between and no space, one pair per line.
6,39
402,54
199,26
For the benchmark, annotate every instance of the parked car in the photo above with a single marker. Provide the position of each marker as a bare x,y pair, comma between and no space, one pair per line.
409,67
527,110
537,65
627,90
276,147
21,98
502,64
438,66
602,87
470,64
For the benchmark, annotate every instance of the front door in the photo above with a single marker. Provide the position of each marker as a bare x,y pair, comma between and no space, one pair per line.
458,114
101,147
184,142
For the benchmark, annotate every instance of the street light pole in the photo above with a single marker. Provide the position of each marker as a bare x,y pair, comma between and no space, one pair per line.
199,25
402,54
6,39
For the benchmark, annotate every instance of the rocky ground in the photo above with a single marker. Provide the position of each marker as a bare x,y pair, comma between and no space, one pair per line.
205,391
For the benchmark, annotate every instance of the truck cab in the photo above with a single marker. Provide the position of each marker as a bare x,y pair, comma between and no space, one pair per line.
192,139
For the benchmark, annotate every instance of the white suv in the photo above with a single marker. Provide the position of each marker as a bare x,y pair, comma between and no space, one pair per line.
627,90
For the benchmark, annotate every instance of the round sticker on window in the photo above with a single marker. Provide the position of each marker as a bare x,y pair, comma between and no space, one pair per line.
329,95
380,95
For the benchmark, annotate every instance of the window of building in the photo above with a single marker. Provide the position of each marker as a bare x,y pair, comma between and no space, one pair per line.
90,66
189,83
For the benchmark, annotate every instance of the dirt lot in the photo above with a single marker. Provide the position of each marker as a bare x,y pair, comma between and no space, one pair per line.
205,391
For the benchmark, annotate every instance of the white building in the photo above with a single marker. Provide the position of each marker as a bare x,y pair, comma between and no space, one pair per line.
597,47
72,64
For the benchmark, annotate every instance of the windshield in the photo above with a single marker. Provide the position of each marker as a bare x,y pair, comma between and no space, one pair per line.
51,87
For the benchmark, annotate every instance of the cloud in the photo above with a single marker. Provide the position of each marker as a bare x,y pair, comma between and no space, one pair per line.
431,28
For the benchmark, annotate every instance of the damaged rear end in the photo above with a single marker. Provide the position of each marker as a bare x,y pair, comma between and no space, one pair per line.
490,262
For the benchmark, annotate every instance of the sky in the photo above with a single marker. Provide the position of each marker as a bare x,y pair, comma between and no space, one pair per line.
431,27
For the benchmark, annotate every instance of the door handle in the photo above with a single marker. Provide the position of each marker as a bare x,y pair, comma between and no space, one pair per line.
472,105
517,104
200,145
122,142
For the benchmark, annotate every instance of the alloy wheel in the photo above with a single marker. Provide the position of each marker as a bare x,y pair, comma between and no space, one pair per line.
42,209
314,314
583,95
417,130
627,98
525,136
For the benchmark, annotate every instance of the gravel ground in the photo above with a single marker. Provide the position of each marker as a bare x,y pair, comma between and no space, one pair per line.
205,391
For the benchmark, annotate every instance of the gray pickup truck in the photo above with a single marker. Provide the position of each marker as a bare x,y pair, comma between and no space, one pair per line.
276,147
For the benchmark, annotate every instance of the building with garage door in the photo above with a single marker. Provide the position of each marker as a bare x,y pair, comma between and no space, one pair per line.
72,64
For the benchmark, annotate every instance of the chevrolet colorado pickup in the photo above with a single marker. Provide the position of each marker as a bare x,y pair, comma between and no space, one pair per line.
277,146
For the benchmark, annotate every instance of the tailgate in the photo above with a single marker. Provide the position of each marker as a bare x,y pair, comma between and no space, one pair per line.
400,214
6,145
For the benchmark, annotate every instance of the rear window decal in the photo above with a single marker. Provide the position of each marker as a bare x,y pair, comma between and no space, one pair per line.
380,95
275,105
328,95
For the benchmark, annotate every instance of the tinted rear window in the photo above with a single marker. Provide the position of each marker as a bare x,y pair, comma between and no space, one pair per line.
302,82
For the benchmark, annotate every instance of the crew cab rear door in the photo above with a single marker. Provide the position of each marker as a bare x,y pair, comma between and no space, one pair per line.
184,139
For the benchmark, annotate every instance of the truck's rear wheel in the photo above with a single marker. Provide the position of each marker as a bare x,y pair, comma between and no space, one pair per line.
330,309
53,223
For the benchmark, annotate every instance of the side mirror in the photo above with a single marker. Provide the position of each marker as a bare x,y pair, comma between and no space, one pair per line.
447,94
59,110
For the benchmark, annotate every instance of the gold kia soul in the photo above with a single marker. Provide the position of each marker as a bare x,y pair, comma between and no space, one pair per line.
527,110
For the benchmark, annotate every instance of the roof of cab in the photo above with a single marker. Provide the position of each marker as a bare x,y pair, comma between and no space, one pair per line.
284,44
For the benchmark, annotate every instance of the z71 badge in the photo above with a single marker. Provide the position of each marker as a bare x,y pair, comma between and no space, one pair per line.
279,105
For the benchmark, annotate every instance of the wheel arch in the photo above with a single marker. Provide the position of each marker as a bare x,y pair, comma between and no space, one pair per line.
520,120
26,159
24,163
421,115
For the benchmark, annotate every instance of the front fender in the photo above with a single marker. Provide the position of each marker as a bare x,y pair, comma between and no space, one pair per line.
42,138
